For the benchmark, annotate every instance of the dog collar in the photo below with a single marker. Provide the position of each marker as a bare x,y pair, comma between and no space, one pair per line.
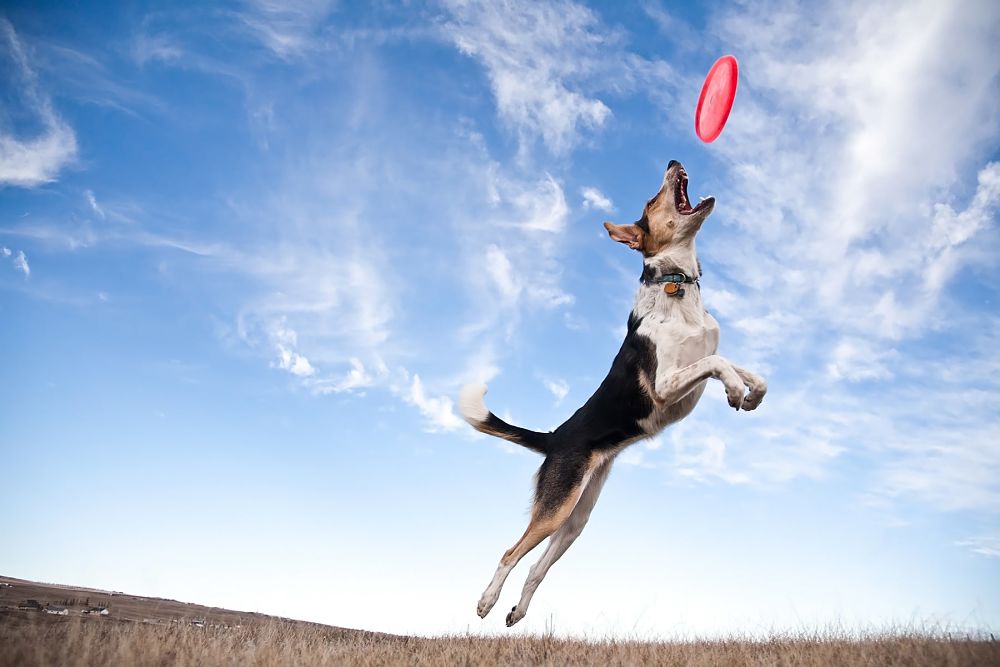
672,282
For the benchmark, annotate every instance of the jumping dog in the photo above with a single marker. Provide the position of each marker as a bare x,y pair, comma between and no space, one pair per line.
656,379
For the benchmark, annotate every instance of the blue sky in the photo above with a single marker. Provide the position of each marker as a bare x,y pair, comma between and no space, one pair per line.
250,253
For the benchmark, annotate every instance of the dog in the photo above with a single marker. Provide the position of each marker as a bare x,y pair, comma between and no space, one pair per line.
656,379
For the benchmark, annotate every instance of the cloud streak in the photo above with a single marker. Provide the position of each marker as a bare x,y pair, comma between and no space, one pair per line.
17,259
558,388
538,57
439,411
597,200
32,161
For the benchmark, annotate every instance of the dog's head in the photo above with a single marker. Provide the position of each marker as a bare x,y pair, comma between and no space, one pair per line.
668,220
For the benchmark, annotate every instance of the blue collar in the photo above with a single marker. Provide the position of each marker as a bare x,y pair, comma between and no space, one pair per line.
671,282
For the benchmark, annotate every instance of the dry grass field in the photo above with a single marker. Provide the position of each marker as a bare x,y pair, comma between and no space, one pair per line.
91,642
166,636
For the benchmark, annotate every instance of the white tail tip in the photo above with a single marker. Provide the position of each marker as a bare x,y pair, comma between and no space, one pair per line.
471,403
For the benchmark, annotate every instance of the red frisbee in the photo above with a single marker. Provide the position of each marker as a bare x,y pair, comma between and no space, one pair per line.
716,100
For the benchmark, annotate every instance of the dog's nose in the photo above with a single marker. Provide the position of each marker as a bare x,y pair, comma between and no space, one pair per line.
673,163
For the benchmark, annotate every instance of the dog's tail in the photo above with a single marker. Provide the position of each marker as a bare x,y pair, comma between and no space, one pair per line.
473,408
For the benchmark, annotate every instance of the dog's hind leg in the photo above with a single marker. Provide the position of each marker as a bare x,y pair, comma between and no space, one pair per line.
560,481
562,539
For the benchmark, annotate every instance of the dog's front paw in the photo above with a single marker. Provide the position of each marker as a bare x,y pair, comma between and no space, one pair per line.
735,398
735,389
755,396
757,386
514,616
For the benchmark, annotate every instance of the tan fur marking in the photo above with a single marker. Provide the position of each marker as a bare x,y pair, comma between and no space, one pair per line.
540,528
647,386
543,525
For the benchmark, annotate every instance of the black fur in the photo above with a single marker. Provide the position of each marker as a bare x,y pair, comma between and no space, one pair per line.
559,473
611,416
533,440
643,222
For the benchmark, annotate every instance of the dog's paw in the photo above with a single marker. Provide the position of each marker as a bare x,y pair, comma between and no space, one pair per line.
753,399
734,389
735,399
514,616
731,380
758,387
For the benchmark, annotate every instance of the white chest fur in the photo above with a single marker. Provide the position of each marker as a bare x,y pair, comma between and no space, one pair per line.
681,332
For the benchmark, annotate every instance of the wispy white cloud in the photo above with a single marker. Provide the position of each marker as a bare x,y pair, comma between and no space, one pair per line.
956,472
294,33
947,244
155,47
293,362
17,259
438,410
634,456
984,546
542,212
92,202
21,263
684,36
537,56
595,199
558,388
542,208
520,223
284,340
705,457
500,270
287,29
356,379
31,161
317,307
859,359
92,78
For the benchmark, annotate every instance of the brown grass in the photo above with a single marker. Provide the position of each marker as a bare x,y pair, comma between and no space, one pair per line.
43,640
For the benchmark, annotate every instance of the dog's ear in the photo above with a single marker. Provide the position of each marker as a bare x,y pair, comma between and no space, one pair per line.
631,235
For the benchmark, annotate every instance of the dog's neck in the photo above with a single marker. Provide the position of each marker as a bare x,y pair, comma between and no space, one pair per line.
651,298
678,259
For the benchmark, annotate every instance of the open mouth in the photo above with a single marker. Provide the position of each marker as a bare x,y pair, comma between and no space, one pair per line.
681,201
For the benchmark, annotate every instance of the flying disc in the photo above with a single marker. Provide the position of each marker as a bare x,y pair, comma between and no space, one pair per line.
716,100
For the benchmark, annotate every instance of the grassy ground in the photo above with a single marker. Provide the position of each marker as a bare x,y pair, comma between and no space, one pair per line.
42,640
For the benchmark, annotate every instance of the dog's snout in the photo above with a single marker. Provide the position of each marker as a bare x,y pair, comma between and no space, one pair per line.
672,164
